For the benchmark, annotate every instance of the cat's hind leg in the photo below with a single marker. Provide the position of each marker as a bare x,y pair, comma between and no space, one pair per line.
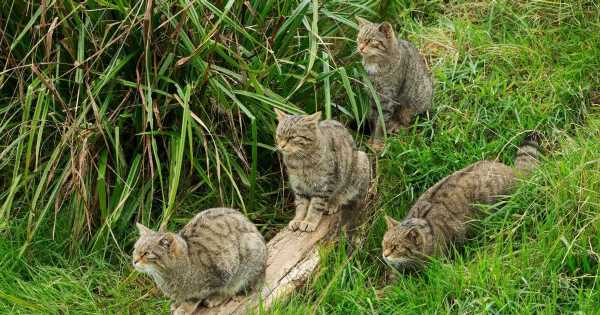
250,275
355,193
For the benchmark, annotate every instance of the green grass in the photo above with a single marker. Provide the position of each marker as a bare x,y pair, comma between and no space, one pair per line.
127,113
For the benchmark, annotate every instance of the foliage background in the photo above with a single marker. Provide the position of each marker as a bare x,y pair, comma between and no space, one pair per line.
115,111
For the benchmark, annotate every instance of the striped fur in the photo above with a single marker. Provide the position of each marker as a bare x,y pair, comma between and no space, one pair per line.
441,216
398,73
325,170
216,255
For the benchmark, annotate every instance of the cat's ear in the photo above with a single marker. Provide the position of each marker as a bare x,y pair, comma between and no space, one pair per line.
413,236
175,245
387,30
314,117
142,229
166,242
280,114
391,223
362,21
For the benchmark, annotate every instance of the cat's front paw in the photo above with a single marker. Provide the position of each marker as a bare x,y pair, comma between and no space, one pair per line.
308,226
333,209
214,300
174,307
179,311
184,308
294,225
396,128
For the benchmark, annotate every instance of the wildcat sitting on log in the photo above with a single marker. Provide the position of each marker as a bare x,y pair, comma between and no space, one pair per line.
325,170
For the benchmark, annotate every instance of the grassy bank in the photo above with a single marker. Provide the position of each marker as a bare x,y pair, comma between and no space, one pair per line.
115,112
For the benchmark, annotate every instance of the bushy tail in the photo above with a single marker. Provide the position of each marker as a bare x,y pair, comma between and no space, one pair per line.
528,154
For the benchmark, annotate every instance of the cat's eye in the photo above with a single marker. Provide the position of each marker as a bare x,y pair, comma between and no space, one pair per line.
294,140
149,256
300,138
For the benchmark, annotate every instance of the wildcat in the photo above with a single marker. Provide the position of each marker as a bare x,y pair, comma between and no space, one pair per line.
325,170
442,214
398,73
216,255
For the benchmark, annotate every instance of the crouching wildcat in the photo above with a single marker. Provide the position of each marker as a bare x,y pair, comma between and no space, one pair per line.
216,255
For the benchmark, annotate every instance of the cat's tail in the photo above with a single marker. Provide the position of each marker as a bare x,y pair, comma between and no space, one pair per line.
528,154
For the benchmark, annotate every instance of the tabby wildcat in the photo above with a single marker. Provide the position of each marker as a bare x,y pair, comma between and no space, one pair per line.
325,170
442,214
216,255
398,73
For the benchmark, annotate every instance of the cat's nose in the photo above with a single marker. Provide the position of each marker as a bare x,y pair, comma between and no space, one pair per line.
361,47
386,252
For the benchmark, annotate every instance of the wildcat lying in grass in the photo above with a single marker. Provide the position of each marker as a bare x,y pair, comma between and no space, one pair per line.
216,255
398,73
325,170
441,215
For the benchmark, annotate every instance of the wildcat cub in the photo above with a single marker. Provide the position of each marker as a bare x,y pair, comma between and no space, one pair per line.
442,214
325,169
398,73
216,255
